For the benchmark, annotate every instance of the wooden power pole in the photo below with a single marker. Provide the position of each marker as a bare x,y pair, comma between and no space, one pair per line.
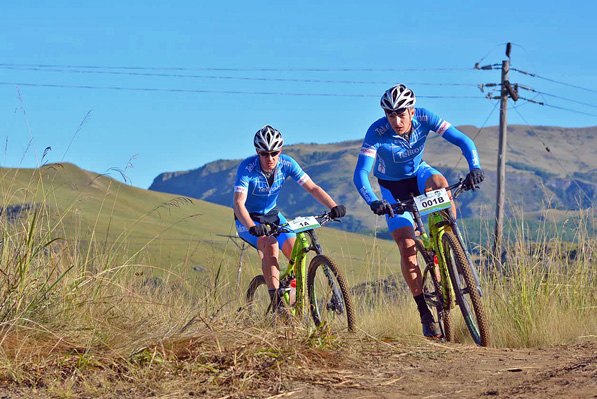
501,164
506,91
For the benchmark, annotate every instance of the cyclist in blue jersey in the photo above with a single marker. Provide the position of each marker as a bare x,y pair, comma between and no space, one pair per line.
393,148
259,180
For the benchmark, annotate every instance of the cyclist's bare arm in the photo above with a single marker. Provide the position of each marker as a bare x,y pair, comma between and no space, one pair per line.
241,211
319,194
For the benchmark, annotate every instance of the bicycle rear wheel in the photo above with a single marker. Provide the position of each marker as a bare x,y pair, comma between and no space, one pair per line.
467,294
329,298
433,291
259,303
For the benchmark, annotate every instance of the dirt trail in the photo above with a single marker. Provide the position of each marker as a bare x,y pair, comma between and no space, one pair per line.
453,371
369,368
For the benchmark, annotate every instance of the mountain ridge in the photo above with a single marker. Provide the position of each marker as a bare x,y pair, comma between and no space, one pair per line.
545,165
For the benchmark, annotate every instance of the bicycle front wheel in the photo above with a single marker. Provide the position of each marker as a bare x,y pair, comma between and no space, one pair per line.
435,295
258,301
329,298
467,294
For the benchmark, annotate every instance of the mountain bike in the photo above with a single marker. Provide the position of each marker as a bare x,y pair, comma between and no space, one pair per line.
449,275
322,285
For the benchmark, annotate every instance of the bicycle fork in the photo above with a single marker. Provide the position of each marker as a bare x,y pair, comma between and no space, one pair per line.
437,227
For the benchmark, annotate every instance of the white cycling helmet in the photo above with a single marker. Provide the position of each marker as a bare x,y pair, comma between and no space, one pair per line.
268,139
398,98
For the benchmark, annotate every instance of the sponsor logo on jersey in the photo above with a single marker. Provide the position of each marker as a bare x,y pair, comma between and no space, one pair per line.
381,166
239,189
443,127
400,154
368,151
476,158
365,194
262,189
303,179
251,166
382,129
285,162
241,227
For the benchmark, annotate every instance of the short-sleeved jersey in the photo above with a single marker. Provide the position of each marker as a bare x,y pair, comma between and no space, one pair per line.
261,198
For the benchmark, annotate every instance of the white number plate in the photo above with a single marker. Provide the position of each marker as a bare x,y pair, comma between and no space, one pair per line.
433,201
303,223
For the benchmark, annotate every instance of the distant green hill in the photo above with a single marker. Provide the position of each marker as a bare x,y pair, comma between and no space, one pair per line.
129,225
546,167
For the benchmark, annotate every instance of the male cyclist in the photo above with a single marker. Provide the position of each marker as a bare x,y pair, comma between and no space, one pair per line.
259,180
395,144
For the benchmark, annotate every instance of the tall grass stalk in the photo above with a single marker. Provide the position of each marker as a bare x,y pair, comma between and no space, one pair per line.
546,290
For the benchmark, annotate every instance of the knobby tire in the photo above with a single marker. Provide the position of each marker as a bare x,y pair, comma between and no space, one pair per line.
434,294
334,304
464,284
255,297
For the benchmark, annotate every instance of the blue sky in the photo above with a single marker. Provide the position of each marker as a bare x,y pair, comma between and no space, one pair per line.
314,70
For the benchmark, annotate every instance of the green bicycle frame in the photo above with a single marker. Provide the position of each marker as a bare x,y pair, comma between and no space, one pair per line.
297,266
437,227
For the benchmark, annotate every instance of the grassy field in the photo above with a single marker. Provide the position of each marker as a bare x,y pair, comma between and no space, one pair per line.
106,287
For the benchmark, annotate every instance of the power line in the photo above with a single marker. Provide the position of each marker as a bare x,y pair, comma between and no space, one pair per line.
237,69
554,96
170,75
478,132
568,109
547,105
534,75
62,86
557,160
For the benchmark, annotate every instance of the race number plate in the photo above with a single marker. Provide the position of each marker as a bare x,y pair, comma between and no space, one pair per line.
303,223
433,201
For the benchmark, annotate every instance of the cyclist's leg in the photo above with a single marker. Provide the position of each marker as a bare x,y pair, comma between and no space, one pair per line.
286,240
403,232
431,178
267,247
401,228
405,239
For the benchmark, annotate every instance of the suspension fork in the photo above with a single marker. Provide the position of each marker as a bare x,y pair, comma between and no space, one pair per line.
298,259
437,227
319,251
456,230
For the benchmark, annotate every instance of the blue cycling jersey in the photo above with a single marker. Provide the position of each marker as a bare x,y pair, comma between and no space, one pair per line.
397,158
250,180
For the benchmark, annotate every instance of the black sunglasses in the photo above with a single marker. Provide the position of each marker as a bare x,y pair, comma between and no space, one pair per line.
271,154
395,113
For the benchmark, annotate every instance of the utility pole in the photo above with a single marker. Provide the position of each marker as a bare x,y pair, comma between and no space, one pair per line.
507,90
501,164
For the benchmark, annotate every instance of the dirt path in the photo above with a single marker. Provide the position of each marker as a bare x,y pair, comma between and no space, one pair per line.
452,371
369,368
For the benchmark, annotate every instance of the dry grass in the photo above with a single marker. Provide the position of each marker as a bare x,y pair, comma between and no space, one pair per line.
80,319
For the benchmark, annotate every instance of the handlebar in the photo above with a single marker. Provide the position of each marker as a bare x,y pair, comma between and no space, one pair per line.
457,188
284,228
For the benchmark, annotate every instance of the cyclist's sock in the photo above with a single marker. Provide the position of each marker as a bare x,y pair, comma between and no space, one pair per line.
275,298
422,306
276,295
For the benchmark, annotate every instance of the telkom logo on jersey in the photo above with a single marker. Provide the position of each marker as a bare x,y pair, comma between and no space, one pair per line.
382,129
402,154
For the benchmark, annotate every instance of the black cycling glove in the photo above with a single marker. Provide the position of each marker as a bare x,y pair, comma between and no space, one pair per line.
258,230
475,176
337,212
382,207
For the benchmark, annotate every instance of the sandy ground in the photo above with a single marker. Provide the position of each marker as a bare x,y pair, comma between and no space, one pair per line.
453,371
368,368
